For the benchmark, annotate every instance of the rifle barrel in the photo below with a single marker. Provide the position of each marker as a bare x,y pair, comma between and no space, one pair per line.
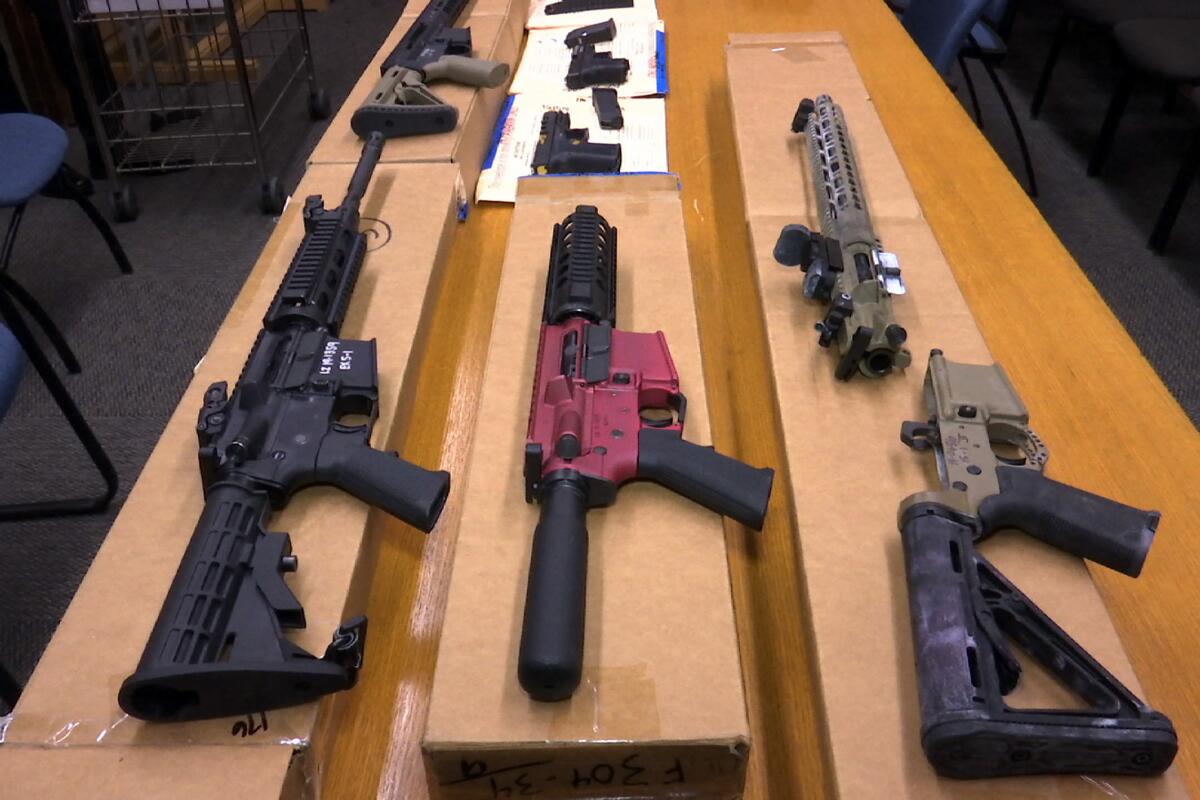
372,150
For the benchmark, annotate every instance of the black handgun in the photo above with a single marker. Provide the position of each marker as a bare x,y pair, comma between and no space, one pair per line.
563,149
432,49
963,609
301,414
591,68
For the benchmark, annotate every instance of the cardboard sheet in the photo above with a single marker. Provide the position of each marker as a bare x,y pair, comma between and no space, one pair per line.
661,707
853,563
468,144
100,773
70,701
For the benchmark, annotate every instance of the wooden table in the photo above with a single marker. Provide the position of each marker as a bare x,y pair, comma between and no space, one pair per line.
1111,423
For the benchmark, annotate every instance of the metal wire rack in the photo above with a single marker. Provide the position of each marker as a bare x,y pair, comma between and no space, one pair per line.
190,83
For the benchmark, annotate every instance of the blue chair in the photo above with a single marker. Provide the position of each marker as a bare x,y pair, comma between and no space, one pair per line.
12,368
950,31
32,149
31,163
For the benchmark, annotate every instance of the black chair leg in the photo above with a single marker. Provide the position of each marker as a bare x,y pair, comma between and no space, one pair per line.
1016,124
1179,190
1060,38
10,237
1116,109
41,364
26,299
57,340
962,65
110,238
10,690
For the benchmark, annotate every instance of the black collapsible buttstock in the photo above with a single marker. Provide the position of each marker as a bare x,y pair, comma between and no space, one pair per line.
1078,522
383,479
701,474
218,648
550,663
962,612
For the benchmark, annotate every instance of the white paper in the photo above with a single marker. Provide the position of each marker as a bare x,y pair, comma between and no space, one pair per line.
643,140
546,59
644,10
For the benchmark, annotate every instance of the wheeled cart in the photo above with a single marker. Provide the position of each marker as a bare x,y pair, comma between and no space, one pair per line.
189,83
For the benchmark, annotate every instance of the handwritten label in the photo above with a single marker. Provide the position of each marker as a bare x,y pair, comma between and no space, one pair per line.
583,779
250,725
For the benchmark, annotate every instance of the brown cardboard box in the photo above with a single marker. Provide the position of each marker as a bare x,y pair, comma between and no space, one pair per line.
661,708
468,144
68,720
847,487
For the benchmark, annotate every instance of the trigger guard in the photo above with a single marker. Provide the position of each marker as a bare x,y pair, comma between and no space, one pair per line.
1033,449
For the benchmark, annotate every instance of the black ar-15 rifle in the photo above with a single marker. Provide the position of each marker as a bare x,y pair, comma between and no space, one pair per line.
218,646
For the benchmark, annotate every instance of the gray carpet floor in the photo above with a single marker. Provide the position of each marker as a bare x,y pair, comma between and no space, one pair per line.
139,336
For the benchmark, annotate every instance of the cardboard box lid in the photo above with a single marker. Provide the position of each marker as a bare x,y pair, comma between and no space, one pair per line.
853,562
125,772
478,109
71,698
661,660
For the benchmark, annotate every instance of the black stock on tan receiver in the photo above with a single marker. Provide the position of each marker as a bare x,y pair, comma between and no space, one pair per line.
301,414
401,104
965,612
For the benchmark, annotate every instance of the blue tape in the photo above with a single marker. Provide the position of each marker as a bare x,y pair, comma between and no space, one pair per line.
498,131
660,55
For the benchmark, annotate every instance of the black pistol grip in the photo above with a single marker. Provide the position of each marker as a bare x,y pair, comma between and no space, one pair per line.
217,647
1078,522
410,493
701,474
550,662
